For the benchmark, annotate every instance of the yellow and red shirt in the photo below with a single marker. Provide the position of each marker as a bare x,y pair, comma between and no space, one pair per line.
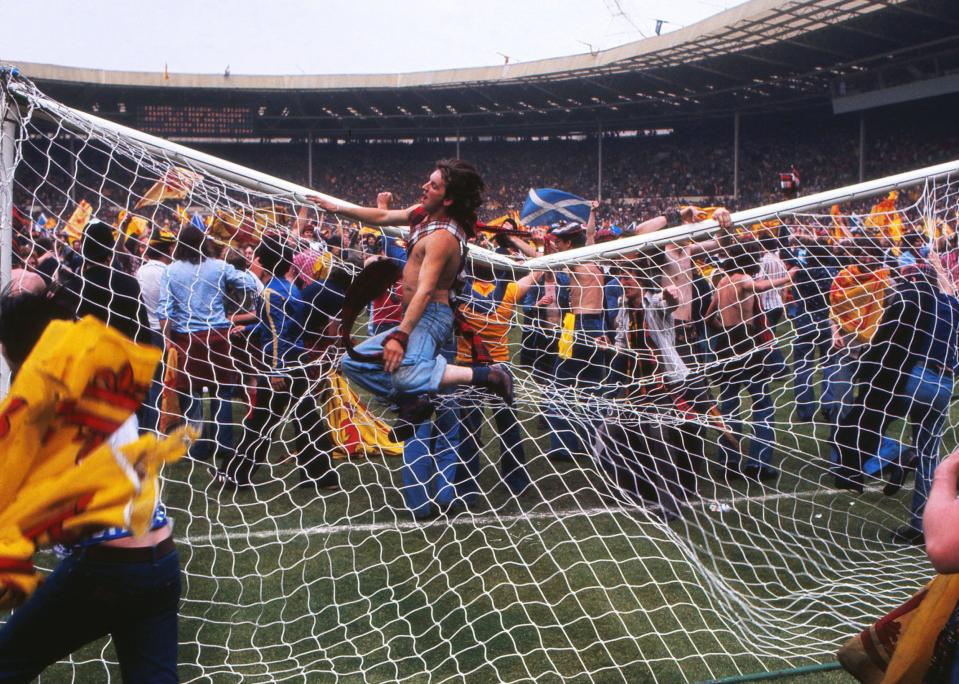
488,309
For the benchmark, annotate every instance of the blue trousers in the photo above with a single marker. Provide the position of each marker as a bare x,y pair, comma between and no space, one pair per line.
431,463
82,601
510,437
429,457
763,437
587,370
148,415
422,367
928,394
812,338
218,430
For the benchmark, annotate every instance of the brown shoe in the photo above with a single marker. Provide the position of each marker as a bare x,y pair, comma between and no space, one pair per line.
412,412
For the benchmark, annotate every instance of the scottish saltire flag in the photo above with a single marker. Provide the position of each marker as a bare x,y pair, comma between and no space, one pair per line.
197,221
546,205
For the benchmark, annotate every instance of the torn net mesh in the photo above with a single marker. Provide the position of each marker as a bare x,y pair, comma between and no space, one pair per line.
682,519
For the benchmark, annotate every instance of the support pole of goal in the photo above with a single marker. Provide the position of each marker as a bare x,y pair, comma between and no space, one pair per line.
599,161
8,137
736,155
862,146
309,159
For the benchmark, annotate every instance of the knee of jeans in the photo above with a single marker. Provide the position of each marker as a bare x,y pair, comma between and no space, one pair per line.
409,379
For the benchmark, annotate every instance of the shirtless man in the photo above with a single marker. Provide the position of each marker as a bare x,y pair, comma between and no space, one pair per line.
412,366
746,358
585,363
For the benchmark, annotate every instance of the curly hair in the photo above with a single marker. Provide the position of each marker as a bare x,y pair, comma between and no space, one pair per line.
465,187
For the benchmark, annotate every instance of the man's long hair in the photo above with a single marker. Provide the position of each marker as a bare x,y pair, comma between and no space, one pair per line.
465,187
189,245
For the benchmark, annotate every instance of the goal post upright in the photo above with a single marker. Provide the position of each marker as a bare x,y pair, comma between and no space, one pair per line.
8,139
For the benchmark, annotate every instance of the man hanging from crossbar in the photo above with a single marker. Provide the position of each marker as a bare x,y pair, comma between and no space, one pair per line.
412,367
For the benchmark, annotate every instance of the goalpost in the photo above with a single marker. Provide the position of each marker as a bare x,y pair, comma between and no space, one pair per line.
589,574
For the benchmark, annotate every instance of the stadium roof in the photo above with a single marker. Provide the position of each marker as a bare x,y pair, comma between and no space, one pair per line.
763,55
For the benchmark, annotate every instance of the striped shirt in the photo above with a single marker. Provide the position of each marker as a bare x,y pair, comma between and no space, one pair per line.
770,268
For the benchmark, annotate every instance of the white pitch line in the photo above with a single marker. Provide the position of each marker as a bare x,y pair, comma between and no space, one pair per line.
465,519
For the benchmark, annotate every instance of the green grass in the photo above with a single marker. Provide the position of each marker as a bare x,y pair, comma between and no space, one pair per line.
566,584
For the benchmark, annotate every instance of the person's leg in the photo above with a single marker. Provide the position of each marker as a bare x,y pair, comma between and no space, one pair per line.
839,385
762,442
418,471
60,617
221,410
241,464
729,406
148,415
564,439
931,394
314,442
192,404
468,433
446,425
512,454
146,636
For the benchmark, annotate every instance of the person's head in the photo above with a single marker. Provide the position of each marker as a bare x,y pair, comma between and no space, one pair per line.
98,242
159,246
309,233
189,245
481,271
569,236
866,252
454,189
24,315
630,282
510,223
273,255
741,258
248,253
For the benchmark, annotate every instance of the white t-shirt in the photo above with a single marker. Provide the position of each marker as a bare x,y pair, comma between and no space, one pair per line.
148,276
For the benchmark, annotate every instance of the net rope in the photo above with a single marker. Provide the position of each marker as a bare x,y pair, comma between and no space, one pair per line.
682,519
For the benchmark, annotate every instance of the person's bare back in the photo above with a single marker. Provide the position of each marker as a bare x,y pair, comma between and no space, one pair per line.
735,300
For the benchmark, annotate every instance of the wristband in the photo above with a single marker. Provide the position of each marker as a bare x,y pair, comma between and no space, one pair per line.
673,217
398,336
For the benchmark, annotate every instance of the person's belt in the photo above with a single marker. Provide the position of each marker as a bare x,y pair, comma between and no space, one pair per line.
130,554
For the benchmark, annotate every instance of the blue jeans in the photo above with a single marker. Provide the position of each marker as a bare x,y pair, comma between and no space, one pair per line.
763,437
812,336
430,459
84,600
587,370
928,395
838,378
510,436
422,367
219,429
431,463
148,415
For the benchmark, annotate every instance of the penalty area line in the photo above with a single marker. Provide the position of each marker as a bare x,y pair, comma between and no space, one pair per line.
466,519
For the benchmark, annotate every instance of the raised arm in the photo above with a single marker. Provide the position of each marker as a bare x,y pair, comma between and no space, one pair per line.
526,282
759,286
527,249
373,216
591,223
